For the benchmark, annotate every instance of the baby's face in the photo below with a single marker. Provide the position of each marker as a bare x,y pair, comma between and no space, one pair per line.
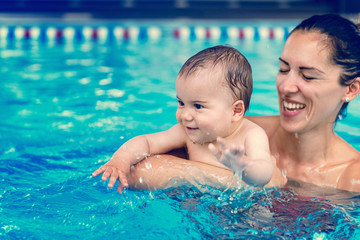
205,105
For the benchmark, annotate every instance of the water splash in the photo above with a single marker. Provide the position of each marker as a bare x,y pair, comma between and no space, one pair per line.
148,165
283,172
123,147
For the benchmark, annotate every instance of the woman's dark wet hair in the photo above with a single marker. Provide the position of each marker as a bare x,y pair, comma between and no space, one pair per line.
234,66
343,38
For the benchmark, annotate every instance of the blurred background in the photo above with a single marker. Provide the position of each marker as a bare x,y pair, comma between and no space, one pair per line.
211,9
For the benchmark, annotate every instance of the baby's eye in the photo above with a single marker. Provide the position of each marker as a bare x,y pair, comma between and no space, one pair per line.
198,106
180,103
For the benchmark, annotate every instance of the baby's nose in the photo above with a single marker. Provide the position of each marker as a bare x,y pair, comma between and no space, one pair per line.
186,115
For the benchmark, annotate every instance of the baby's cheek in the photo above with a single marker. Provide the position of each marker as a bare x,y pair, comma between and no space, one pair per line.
178,116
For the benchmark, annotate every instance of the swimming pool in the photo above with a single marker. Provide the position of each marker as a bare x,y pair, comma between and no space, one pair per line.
72,93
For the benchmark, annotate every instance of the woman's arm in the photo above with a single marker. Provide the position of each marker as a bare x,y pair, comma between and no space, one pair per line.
166,171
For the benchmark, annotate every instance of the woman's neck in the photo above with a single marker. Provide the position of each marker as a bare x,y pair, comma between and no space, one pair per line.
313,147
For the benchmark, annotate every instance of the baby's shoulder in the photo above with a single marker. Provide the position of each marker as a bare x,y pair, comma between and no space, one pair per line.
250,132
269,123
250,127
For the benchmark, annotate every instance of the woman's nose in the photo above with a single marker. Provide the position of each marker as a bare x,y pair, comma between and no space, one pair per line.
288,84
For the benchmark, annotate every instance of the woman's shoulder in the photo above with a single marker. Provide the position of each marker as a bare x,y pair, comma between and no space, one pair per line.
268,123
350,177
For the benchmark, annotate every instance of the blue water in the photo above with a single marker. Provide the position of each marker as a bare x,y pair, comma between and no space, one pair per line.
66,107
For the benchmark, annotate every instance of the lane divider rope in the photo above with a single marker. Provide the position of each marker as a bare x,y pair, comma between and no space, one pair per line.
103,33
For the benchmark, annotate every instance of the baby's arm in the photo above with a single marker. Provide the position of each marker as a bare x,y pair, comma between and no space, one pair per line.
252,162
261,165
135,150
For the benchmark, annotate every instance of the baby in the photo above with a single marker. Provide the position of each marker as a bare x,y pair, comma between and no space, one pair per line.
213,89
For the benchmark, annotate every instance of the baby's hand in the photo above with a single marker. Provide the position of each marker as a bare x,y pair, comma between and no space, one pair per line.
115,172
232,157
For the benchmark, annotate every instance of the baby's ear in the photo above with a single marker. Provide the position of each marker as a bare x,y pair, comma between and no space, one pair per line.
238,108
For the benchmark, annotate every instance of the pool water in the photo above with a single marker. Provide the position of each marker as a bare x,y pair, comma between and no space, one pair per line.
66,106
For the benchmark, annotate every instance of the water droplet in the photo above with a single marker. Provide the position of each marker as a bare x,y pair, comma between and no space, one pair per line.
283,172
340,117
307,117
296,135
151,195
148,165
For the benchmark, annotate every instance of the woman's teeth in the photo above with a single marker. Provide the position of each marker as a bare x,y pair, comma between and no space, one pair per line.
293,106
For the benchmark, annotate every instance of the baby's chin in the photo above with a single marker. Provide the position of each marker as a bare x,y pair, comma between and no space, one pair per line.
203,141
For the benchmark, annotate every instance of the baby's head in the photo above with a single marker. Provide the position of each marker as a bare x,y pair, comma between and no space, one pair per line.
234,67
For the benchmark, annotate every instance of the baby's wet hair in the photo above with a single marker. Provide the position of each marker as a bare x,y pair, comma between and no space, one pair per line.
236,69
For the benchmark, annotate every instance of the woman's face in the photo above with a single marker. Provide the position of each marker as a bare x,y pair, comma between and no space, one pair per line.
310,95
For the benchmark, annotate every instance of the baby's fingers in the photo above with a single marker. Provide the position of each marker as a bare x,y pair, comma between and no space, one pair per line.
214,151
99,171
113,177
123,182
120,188
237,151
123,179
221,142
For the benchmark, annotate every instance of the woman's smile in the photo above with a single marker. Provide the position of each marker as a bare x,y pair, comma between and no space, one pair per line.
292,108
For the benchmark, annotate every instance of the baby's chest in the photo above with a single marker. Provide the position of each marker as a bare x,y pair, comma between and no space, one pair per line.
201,153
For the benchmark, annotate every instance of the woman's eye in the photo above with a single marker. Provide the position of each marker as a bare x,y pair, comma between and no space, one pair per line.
308,78
198,106
283,70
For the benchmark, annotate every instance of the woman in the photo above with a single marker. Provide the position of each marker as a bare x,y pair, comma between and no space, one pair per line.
319,75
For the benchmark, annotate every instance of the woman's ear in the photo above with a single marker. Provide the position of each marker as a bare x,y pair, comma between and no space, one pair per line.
238,108
353,90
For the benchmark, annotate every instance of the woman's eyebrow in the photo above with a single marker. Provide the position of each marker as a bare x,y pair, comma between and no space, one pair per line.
311,69
283,61
302,68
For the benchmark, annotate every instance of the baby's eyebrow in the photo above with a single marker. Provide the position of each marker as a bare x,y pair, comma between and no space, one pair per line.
199,101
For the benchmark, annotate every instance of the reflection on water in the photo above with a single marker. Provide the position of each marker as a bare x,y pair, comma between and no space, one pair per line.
66,109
